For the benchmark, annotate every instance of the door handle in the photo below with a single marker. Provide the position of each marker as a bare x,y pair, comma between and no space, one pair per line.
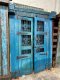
22,33
20,57
43,53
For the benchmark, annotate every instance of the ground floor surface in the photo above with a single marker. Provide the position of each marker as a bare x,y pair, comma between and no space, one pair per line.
53,74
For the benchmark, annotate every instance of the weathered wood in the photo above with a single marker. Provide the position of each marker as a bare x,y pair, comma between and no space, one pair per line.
55,34
0,44
55,40
54,52
4,41
58,16
7,34
54,46
55,27
4,2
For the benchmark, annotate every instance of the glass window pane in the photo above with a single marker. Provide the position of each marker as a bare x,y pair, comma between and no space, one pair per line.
40,26
39,50
26,40
26,25
39,39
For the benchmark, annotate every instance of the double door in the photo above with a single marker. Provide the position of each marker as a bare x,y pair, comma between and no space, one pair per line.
28,45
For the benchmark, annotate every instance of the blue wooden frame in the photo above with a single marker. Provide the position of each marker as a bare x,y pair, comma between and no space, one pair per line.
50,44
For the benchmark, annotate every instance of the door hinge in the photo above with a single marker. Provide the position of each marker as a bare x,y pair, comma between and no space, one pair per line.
46,33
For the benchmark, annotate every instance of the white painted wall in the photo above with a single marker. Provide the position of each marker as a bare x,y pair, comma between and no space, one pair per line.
47,5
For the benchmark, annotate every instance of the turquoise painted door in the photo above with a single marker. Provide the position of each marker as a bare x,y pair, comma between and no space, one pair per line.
41,46
23,55
21,44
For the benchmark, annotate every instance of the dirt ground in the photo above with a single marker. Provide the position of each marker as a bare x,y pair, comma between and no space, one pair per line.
53,74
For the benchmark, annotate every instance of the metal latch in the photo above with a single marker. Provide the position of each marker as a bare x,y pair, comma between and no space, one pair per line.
20,57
